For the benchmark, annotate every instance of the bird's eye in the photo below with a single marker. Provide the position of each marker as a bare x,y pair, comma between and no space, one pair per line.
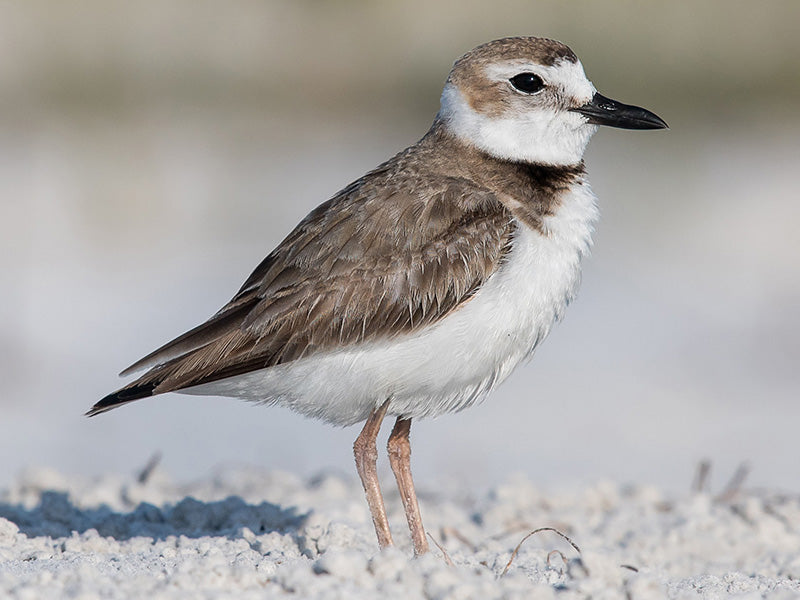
529,83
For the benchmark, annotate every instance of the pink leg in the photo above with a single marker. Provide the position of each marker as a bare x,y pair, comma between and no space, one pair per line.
366,454
399,448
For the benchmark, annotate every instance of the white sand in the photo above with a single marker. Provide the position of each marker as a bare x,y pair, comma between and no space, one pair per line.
250,534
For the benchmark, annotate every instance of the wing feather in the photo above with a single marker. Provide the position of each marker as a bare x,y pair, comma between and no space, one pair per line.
365,265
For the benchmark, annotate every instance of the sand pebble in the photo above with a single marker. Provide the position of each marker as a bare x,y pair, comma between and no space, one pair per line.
251,534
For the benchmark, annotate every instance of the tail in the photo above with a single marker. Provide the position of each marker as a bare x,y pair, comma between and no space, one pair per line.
123,396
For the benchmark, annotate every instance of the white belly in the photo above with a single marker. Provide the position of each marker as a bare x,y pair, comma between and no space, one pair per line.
454,363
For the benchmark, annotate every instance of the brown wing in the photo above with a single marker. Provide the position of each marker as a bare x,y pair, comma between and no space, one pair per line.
374,262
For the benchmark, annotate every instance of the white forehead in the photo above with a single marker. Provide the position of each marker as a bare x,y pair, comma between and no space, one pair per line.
565,74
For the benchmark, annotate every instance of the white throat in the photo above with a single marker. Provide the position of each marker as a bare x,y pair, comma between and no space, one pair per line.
545,136
536,129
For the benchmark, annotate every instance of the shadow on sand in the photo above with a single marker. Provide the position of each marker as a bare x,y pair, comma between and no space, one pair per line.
56,516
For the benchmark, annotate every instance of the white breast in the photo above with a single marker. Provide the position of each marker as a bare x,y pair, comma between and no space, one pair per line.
454,363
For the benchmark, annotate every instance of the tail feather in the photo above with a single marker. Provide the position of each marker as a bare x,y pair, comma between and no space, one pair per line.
123,396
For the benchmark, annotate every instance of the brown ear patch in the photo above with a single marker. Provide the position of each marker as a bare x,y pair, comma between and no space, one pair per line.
486,96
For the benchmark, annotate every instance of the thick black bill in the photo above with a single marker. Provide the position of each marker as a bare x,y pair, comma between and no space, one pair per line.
605,111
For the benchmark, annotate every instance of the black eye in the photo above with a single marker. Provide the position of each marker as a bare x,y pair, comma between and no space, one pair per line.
530,83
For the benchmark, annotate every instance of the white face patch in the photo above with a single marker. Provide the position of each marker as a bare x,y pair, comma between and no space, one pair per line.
535,128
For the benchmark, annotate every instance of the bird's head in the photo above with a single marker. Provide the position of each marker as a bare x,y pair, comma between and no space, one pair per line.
527,99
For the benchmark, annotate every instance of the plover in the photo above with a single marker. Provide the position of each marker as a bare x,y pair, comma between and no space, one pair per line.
420,286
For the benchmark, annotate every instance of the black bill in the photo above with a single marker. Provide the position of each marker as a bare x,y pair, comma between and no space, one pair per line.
605,111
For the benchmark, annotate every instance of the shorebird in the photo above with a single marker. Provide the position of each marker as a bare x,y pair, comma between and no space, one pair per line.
420,286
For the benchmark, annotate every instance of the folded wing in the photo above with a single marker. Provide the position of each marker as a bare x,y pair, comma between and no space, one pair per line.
372,263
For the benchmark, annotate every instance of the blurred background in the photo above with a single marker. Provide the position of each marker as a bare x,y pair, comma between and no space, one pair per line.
152,153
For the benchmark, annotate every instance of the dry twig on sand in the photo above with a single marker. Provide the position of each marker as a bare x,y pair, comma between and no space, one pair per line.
447,558
535,531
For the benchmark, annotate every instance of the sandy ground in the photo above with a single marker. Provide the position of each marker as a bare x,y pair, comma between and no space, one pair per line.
253,534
